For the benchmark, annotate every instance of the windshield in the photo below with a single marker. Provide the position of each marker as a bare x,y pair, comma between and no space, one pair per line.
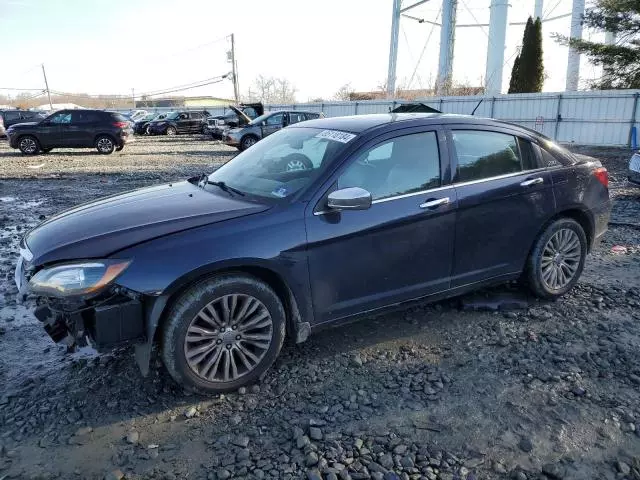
149,116
172,115
260,119
280,165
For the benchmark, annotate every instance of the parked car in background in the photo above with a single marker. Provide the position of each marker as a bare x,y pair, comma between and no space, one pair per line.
247,135
11,117
239,115
392,208
136,115
140,127
634,169
181,121
105,131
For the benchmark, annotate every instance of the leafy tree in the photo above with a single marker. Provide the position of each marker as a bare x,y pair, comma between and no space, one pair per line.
621,61
528,71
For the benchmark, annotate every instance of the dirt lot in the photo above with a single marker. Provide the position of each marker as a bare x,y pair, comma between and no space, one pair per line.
447,391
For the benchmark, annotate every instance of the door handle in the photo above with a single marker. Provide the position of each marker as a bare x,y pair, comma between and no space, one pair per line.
533,181
435,203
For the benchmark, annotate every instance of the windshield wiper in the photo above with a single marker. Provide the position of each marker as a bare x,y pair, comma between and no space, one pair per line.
204,180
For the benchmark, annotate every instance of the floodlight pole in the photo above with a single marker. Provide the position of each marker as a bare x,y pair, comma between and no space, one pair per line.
573,61
393,49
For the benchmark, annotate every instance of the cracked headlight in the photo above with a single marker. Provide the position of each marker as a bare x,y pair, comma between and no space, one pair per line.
75,279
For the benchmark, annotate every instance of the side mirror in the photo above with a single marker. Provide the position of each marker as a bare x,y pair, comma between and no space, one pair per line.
352,198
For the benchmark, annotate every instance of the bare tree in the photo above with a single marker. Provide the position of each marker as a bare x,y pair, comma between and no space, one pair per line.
345,92
271,90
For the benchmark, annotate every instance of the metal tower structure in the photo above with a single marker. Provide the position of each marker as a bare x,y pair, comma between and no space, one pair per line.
495,50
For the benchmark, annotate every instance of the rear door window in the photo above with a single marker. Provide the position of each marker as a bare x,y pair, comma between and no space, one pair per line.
11,116
295,117
485,154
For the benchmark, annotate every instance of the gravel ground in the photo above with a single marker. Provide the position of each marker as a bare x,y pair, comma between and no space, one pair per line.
449,391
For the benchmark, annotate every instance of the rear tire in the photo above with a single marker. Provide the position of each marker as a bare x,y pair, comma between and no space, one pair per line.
236,327
105,145
171,131
557,259
29,145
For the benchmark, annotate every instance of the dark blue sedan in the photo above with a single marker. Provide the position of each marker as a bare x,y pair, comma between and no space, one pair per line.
318,223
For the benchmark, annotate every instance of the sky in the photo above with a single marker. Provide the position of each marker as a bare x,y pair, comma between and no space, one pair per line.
114,46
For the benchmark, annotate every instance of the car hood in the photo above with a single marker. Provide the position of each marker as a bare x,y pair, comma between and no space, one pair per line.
100,228
244,118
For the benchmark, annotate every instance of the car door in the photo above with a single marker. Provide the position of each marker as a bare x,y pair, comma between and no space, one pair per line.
272,124
52,130
183,122
81,131
400,248
196,121
504,199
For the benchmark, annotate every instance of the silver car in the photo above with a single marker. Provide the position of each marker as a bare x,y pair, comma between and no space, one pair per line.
245,136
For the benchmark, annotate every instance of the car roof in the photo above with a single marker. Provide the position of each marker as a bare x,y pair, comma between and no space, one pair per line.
361,123
289,111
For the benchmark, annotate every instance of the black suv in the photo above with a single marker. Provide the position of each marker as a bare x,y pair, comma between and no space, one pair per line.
11,117
105,131
179,122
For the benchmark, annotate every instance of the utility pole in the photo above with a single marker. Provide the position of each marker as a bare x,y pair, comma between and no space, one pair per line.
133,97
46,84
234,70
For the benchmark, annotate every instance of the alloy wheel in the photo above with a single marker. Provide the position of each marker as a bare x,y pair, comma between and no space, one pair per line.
105,145
228,338
249,142
561,259
28,145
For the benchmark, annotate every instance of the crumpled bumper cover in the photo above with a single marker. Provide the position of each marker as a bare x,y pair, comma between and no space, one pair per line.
103,325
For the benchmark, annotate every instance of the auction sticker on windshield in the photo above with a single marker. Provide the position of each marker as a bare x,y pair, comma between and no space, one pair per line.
338,136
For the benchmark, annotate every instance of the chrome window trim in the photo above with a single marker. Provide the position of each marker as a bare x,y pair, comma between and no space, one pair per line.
388,199
500,177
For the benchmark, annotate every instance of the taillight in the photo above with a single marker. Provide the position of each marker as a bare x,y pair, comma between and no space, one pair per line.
120,124
602,175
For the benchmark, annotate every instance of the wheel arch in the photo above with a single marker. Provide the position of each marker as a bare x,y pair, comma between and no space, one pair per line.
104,134
575,213
157,308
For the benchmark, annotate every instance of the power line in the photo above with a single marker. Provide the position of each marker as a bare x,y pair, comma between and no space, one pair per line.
21,89
424,48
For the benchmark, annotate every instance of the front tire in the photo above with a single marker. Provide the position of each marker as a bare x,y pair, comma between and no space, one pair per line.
29,145
223,333
248,141
105,145
171,131
557,259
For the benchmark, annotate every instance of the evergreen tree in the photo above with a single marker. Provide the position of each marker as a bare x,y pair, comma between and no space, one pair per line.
528,76
514,86
620,62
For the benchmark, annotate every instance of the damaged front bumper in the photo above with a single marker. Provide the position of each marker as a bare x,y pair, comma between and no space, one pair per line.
101,324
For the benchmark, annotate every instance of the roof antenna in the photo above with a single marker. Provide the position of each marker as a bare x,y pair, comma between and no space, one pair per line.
474,110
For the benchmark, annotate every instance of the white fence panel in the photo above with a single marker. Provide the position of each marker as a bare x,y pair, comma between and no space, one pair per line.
590,118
